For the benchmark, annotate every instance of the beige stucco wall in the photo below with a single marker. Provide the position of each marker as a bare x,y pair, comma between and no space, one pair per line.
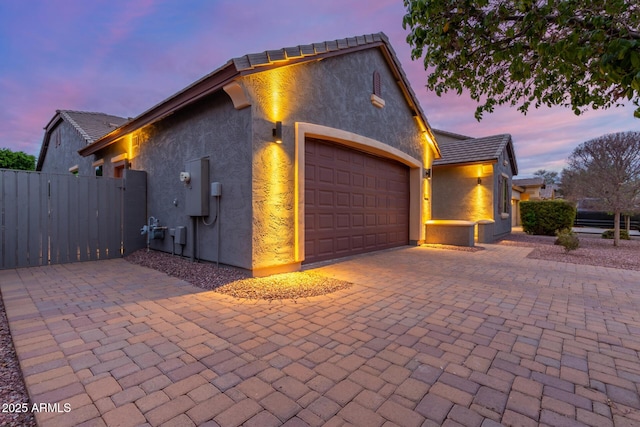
457,194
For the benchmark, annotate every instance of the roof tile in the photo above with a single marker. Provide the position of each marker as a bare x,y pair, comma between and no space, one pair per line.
472,150
277,55
92,126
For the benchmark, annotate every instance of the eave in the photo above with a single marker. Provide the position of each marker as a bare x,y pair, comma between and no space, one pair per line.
201,88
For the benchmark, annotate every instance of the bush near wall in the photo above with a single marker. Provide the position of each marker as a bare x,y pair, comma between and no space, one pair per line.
546,217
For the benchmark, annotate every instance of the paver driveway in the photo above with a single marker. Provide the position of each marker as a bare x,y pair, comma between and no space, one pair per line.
424,337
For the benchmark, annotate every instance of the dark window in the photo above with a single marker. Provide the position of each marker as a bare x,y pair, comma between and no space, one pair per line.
99,170
377,88
504,195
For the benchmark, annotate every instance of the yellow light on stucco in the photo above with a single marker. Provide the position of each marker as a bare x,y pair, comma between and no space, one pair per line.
274,87
274,223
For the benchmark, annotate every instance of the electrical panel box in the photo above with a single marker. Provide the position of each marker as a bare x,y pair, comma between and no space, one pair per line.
197,199
216,189
181,235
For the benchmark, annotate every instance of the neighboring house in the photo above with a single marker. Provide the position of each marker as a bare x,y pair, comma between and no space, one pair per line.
516,198
548,191
472,180
282,157
534,188
67,133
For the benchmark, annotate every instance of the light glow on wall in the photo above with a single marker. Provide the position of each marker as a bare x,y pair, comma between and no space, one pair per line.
273,208
481,195
273,94
426,182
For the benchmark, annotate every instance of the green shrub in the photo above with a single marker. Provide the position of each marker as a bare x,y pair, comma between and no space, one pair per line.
546,217
568,239
624,235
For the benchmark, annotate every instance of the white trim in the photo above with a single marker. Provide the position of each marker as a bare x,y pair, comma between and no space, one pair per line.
377,101
74,169
98,163
119,158
363,143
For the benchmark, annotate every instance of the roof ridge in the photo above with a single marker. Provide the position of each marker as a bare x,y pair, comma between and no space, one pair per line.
251,61
89,112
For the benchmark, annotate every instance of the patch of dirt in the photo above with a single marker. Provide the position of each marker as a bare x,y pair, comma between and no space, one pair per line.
13,393
593,250
236,283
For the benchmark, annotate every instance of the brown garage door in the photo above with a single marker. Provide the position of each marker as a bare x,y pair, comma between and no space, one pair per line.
354,202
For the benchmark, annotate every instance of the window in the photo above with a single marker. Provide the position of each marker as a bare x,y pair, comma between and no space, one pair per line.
377,87
74,170
376,91
505,198
120,163
98,166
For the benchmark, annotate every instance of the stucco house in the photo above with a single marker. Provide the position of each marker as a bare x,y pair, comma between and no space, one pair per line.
532,188
472,180
283,157
69,131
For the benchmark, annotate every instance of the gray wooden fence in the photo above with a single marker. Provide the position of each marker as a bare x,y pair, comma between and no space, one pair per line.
53,219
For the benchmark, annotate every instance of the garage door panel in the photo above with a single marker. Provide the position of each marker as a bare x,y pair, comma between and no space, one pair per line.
342,221
326,247
355,202
342,199
325,221
370,182
343,177
343,244
357,180
370,241
325,198
371,201
325,175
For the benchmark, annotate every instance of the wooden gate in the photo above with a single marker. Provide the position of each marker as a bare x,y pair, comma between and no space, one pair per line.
53,219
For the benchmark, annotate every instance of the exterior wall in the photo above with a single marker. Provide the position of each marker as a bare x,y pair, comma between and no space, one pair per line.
209,128
457,194
502,225
335,93
261,181
59,158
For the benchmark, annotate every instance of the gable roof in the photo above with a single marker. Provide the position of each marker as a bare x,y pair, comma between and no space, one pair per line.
258,62
476,150
529,182
91,126
450,134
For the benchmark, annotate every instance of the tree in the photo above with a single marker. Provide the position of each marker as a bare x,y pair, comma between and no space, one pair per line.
607,169
549,177
16,160
573,53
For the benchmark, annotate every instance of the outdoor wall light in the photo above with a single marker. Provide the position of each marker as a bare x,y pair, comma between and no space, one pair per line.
277,133
479,180
427,173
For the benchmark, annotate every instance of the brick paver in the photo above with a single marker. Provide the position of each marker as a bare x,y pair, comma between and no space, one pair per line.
423,337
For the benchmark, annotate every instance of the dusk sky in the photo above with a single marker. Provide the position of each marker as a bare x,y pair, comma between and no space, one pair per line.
122,57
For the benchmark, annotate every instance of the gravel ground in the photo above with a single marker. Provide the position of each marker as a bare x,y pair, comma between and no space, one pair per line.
593,250
13,393
236,283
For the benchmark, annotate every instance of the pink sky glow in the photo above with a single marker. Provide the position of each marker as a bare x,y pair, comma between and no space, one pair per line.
121,57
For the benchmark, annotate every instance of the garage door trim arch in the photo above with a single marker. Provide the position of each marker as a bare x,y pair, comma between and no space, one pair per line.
369,145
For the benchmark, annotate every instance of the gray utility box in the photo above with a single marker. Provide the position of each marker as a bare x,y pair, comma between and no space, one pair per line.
197,199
